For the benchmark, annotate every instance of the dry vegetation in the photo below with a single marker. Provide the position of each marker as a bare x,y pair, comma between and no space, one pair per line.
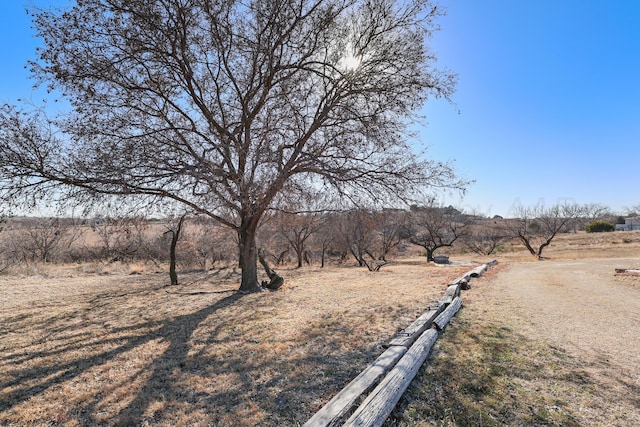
595,245
98,345
498,364
109,344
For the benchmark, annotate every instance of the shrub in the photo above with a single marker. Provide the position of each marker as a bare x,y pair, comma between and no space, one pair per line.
599,227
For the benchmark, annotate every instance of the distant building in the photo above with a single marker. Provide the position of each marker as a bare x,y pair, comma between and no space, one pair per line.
629,224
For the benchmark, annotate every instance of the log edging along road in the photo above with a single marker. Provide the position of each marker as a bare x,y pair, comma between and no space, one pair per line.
383,382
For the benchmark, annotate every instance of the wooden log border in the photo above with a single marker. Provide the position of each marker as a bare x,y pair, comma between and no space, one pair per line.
381,385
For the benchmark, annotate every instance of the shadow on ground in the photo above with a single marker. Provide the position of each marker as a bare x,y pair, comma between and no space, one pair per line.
148,357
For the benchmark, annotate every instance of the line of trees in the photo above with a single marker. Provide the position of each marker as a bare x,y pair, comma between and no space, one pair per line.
28,241
367,237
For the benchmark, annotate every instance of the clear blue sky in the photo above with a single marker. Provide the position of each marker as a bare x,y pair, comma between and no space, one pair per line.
549,101
547,106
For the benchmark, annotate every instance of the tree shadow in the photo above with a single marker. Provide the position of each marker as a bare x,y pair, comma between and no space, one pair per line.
176,330
198,346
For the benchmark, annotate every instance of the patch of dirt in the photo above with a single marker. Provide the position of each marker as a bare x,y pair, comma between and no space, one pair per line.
554,342
583,308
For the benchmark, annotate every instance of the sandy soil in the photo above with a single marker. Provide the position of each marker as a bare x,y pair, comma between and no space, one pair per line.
593,314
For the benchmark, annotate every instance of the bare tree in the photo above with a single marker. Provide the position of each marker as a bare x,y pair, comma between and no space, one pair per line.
358,234
297,229
273,244
174,228
368,236
434,226
212,243
226,106
327,240
595,211
44,239
632,211
486,236
121,238
389,225
536,226
322,244
589,213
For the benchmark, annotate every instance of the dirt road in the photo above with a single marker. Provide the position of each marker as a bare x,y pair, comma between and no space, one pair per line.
592,314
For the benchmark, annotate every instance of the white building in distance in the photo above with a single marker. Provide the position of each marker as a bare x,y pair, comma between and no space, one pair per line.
629,224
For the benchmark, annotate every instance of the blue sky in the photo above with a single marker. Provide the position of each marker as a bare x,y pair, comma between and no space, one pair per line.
548,100
16,47
547,106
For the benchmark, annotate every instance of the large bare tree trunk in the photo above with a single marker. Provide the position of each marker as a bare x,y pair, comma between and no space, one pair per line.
429,254
248,256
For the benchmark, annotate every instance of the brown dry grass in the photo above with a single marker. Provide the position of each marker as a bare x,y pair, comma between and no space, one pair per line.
580,245
110,345
540,343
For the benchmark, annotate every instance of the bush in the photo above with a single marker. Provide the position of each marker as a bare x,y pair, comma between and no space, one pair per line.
599,227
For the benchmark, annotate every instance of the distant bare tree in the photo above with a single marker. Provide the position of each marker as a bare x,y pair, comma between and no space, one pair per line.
389,225
486,236
590,212
322,240
45,239
121,238
595,211
297,229
368,236
632,211
329,240
273,244
358,234
224,107
212,243
536,226
434,226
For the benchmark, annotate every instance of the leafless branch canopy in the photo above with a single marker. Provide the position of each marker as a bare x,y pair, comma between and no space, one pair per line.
227,107
434,226
536,226
228,103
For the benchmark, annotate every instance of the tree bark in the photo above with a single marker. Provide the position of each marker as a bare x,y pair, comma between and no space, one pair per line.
175,235
429,254
527,244
275,280
248,256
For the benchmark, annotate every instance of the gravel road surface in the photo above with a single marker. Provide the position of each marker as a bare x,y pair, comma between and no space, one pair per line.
583,307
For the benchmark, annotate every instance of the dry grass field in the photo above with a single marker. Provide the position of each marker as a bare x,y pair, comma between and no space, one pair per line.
111,345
